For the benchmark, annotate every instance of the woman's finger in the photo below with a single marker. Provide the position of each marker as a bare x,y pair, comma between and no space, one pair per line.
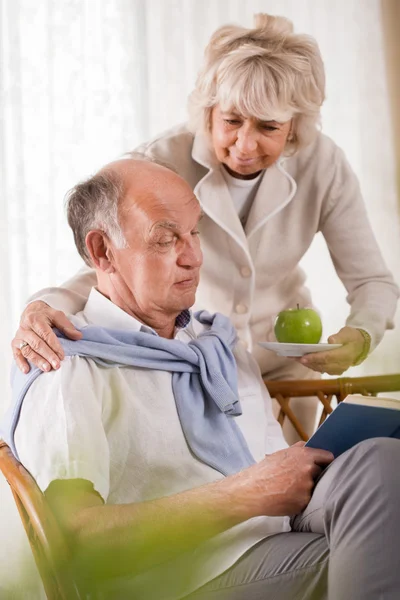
35,349
20,361
340,358
51,343
36,359
65,325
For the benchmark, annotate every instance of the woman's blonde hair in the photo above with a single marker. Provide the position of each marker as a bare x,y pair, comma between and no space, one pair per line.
267,73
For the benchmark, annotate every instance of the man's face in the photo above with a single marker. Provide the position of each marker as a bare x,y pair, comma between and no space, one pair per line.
158,273
246,146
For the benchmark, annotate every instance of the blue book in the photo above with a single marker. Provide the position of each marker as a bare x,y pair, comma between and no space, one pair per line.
355,419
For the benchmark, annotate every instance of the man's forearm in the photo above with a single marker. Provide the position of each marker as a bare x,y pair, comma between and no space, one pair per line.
113,540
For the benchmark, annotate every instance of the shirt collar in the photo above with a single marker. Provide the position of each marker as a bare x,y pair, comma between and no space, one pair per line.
100,311
203,153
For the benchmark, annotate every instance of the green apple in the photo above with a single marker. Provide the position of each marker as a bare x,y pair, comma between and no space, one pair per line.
298,326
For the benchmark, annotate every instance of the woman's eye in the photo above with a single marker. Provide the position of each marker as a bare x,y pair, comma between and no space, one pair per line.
196,232
269,128
232,121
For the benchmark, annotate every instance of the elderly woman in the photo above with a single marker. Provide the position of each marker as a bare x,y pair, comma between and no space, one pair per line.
268,181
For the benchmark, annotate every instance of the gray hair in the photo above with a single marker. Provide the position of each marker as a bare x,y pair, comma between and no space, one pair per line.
268,73
93,204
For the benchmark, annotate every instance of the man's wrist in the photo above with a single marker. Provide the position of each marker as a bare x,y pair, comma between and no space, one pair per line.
366,347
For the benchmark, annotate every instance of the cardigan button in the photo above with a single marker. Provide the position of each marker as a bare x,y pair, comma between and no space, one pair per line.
241,309
245,272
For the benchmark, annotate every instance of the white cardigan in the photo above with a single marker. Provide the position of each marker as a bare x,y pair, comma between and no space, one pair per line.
252,274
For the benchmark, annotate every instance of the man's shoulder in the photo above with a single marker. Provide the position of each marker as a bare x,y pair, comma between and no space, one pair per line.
75,374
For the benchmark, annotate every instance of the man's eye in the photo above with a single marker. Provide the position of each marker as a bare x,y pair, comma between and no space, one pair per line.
196,232
165,243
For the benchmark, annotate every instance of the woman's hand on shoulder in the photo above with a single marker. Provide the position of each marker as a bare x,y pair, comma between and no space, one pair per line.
337,361
35,339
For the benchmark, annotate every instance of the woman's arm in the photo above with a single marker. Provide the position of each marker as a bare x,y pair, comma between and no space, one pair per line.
71,296
372,292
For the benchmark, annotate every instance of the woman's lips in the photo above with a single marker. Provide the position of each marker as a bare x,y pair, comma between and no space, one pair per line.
245,161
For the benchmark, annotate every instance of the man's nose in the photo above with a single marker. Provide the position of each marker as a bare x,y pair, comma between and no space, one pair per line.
191,254
246,140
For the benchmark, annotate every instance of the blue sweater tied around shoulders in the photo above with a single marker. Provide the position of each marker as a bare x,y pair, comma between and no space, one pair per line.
204,383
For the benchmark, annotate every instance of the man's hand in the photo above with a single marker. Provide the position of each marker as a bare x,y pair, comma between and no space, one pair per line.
35,340
335,362
283,482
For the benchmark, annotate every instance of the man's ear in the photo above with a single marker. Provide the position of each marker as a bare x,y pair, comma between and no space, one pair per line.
100,250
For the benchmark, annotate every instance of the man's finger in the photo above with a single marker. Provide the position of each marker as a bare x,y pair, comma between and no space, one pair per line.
316,471
322,457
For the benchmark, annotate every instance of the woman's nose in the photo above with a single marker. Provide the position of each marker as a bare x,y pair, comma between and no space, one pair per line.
246,141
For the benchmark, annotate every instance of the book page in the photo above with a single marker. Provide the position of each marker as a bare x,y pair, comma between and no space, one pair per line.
373,401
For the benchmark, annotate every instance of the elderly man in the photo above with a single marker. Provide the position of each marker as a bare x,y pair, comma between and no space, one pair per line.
155,441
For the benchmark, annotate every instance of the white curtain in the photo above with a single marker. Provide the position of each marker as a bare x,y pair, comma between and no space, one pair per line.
82,81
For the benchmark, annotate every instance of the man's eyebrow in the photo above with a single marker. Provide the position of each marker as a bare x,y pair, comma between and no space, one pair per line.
171,225
164,225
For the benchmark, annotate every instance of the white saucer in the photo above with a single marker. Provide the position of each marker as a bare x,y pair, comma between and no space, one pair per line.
293,350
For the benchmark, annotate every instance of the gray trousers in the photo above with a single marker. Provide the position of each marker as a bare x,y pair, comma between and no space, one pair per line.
344,546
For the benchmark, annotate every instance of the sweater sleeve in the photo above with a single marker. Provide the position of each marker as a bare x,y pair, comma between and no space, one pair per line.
72,295
372,292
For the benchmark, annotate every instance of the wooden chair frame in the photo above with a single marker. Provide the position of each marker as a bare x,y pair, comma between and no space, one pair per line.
46,538
326,390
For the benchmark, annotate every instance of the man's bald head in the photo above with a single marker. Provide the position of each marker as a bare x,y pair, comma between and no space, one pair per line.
98,202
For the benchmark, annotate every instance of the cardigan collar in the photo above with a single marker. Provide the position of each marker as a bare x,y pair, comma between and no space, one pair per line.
276,190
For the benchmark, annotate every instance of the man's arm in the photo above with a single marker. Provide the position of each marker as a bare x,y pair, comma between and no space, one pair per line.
113,540
62,440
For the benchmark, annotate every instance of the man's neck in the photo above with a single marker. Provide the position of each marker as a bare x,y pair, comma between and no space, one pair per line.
163,325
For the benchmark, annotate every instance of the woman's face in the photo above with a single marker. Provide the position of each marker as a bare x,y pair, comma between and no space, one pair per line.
245,145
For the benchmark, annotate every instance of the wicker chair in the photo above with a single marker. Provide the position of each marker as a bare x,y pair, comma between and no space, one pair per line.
47,541
326,390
